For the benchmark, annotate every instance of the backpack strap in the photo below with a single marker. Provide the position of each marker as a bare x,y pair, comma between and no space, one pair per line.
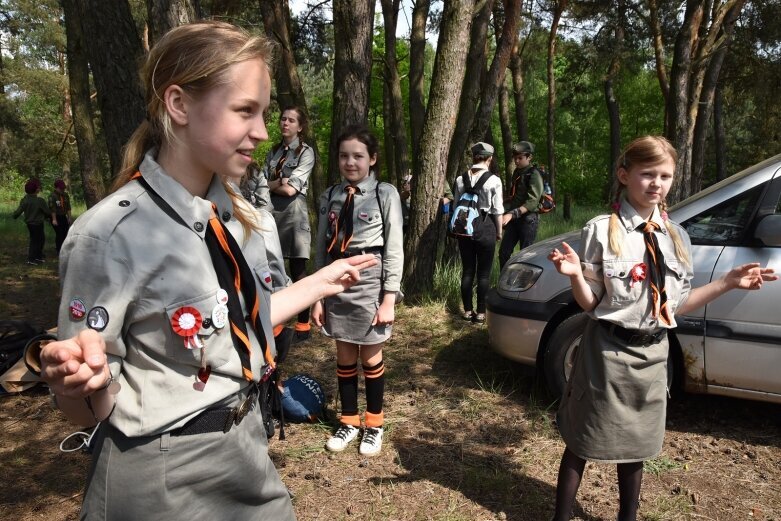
480,182
382,217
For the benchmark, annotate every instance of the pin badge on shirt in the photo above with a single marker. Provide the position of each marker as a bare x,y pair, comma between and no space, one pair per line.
186,323
97,318
220,316
222,296
266,277
363,215
77,309
638,273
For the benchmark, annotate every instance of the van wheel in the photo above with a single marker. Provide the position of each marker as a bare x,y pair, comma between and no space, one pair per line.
562,346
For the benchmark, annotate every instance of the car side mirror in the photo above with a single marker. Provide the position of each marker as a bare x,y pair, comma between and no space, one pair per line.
769,230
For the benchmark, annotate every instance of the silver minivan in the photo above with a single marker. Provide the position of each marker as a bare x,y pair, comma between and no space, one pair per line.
730,347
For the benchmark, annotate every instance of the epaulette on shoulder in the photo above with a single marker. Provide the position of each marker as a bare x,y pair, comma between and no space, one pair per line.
101,220
598,219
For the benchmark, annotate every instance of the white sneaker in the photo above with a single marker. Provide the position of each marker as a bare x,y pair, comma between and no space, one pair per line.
341,438
371,443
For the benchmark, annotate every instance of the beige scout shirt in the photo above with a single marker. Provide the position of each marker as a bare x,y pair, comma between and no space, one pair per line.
367,226
130,258
621,301
490,199
297,166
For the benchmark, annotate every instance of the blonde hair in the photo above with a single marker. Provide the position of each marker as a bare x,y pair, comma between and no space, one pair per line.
195,57
646,150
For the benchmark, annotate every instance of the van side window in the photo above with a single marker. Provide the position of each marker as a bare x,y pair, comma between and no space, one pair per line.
724,224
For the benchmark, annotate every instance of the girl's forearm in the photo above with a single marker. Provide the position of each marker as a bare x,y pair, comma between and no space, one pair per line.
699,297
582,292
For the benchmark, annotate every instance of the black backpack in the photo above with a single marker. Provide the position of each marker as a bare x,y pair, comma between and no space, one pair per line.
14,336
467,219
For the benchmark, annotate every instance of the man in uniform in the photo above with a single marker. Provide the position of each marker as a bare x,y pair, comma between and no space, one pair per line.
521,219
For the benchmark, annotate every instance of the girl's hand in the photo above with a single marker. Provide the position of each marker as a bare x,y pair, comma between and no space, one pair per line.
749,276
566,261
344,273
317,314
76,367
385,315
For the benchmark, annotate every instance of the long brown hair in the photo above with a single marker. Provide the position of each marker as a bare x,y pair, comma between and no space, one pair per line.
195,57
646,150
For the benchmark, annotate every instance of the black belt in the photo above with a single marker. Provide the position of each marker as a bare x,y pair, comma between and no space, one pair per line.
220,419
633,337
353,253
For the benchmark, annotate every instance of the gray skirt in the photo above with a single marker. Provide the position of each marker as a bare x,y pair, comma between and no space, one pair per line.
349,315
614,406
214,475
292,218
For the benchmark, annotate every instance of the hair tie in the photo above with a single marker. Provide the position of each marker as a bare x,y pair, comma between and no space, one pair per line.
664,215
616,206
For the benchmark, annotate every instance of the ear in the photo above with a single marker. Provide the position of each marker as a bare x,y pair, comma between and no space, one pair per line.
373,160
622,175
176,104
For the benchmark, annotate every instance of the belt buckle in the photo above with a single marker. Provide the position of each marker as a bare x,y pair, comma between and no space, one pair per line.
237,414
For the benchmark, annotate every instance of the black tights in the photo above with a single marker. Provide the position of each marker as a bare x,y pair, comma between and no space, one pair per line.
298,272
630,476
477,257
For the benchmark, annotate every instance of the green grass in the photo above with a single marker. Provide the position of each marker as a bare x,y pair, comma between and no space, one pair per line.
660,465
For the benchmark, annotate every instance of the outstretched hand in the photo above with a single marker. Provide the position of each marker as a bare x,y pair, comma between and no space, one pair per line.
76,367
749,276
566,260
344,273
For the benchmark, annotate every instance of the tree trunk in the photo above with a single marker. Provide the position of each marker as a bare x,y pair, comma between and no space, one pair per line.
613,110
417,62
81,106
427,187
353,23
114,54
390,15
658,44
470,92
559,8
390,146
496,74
519,93
719,134
276,24
504,103
164,15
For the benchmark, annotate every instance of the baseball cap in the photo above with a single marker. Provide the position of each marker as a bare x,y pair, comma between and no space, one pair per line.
523,147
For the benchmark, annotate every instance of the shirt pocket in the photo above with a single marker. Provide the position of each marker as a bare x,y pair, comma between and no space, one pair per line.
618,281
265,286
674,276
216,340
370,216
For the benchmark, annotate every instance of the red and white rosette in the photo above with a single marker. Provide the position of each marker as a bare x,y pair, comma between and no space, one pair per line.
638,273
186,322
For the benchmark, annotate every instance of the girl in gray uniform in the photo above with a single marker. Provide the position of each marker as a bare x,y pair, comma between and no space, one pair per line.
360,215
632,276
287,169
168,306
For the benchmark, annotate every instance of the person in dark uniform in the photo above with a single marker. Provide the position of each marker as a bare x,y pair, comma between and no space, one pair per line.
520,220
35,211
287,169
60,205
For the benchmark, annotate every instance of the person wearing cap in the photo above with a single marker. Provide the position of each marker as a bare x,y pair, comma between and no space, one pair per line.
35,211
477,252
60,206
520,220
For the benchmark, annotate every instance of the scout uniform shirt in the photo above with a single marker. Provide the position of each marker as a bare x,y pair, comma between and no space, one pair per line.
622,300
128,269
299,159
525,192
59,202
34,208
370,218
489,200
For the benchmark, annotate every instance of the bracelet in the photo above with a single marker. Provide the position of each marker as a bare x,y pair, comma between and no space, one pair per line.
88,401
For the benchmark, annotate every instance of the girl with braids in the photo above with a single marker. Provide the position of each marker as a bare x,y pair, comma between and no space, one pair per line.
360,215
167,302
631,276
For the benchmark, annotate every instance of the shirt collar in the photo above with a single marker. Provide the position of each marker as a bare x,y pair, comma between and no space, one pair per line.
368,183
632,219
195,211
293,144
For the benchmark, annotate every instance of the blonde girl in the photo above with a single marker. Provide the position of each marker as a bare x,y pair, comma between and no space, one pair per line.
167,304
360,215
632,276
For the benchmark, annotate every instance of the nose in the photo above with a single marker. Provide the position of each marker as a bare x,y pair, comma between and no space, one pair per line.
259,132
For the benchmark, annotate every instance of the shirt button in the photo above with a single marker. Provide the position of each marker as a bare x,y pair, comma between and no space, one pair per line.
226,216
207,323
124,203
198,226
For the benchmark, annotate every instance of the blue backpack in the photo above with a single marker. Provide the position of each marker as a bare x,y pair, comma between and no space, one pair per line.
466,218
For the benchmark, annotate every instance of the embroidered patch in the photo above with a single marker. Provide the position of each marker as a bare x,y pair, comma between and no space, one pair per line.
97,318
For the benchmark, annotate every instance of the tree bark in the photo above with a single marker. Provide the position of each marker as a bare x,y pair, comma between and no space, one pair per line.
427,187
504,104
276,24
398,129
470,92
720,138
81,106
613,109
658,44
114,53
559,8
164,15
353,23
519,93
417,62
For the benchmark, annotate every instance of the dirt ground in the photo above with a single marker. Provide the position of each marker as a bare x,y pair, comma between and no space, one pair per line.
469,436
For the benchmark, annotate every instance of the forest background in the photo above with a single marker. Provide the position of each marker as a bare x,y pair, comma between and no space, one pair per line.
577,78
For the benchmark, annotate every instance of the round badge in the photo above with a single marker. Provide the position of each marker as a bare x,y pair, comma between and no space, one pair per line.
220,316
77,309
186,321
97,318
222,296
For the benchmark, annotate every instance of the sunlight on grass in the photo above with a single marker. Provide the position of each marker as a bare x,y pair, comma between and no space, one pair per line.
660,465
670,508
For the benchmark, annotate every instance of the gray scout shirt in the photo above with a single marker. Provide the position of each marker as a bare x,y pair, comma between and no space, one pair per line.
126,268
297,167
489,199
621,300
367,226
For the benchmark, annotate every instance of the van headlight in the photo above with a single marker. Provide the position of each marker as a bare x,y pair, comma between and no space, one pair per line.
519,276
